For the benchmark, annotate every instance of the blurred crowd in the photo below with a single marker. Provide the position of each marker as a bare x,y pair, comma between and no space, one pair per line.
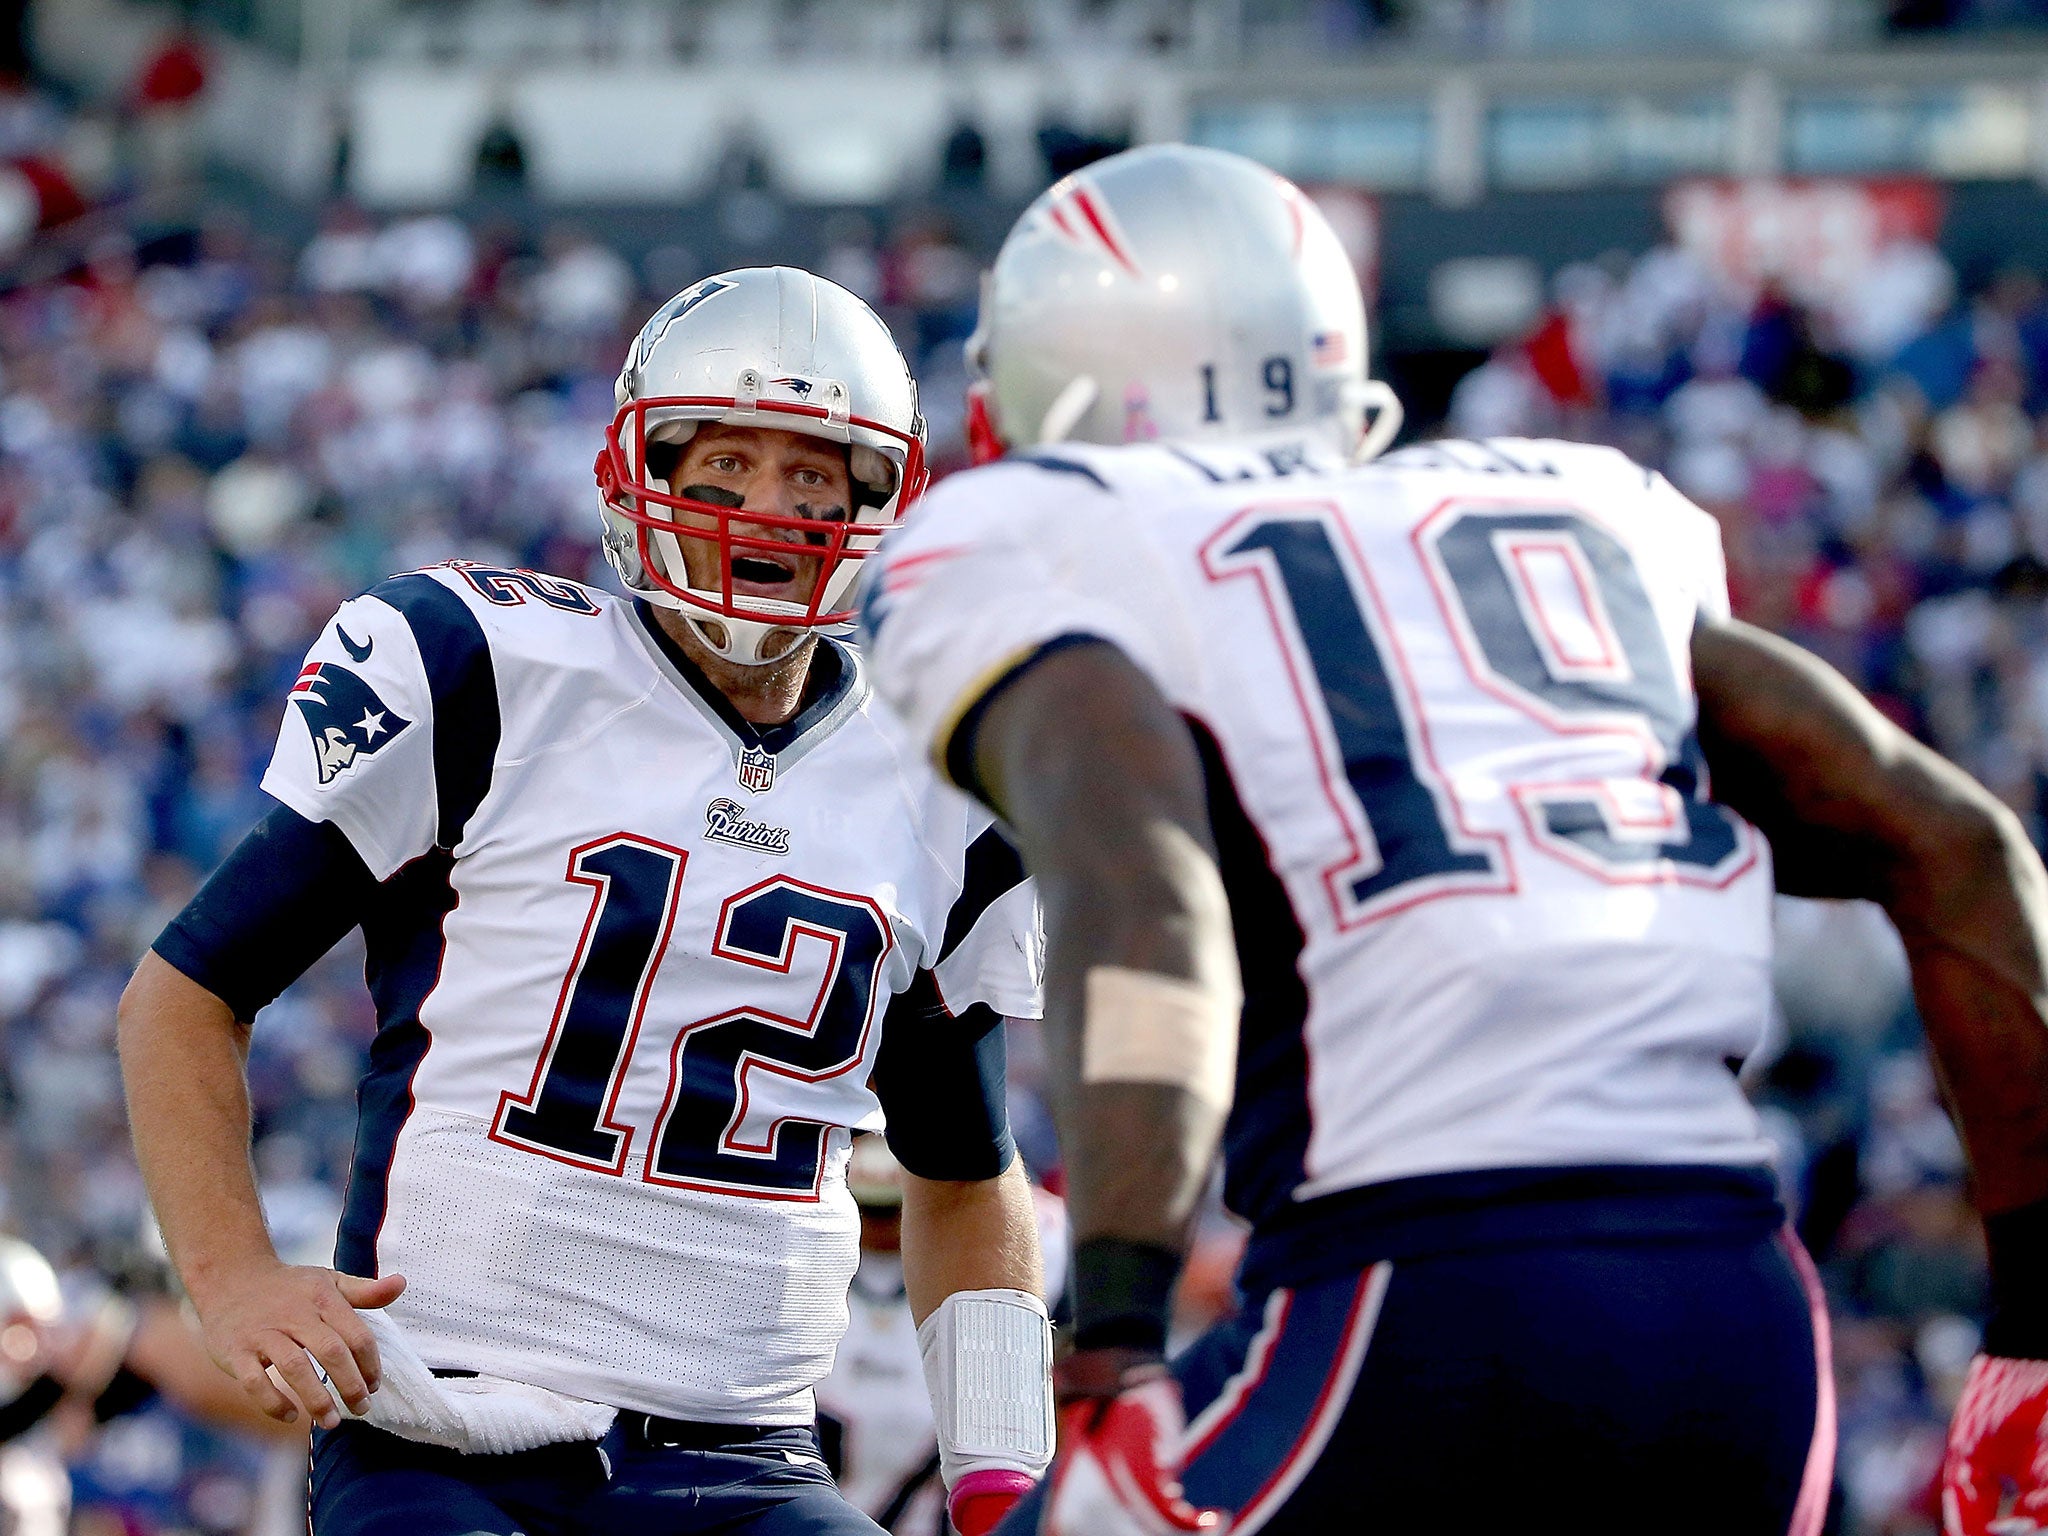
209,438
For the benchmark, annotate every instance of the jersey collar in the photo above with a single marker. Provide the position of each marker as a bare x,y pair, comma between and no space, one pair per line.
837,686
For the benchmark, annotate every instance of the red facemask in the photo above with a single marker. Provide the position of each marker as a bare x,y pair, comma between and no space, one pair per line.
622,482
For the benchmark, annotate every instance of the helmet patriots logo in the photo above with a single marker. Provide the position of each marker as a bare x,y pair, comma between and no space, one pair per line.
801,388
675,309
344,716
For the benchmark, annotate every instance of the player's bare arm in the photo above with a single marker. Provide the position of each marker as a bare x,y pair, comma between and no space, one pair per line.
1856,808
183,1055
1099,780
968,1235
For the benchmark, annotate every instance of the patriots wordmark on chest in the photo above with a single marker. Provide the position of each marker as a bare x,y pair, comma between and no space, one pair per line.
727,821
756,770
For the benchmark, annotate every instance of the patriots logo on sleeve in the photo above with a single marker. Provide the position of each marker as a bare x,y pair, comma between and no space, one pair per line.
345,717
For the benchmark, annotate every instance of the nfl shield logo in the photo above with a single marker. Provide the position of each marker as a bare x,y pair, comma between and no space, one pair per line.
757,770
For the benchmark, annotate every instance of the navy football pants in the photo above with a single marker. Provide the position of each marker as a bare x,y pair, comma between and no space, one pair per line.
762,1483
1675,1386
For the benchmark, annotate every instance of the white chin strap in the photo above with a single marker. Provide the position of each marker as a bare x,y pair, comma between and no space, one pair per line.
743,642
1378,398
1067,408
748,643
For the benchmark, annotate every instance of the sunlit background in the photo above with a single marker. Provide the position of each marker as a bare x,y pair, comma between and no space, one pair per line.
297,293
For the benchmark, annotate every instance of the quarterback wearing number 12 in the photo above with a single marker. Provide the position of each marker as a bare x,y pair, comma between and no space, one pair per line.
658,916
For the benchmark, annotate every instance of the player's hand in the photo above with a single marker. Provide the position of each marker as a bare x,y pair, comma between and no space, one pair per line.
286,1316
1120,1431
1997,1438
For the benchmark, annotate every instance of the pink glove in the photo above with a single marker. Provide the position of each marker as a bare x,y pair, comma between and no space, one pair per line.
1996,1437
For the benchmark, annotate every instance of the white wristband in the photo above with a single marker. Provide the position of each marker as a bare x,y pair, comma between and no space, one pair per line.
988,1366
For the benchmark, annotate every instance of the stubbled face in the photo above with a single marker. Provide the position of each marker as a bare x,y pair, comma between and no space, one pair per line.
761,469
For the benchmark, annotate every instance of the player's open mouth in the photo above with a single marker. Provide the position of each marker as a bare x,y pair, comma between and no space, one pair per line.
762,570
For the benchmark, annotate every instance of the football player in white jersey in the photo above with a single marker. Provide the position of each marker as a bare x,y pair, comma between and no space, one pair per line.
657,913
1426,733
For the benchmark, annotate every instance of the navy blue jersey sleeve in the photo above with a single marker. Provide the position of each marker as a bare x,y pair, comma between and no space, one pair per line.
942,1082
278,902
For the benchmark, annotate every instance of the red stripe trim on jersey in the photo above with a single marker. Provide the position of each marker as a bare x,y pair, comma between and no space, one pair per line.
1330,1404
1521,552
898,575
1258,1359
1058,215
1098,221
1812,1508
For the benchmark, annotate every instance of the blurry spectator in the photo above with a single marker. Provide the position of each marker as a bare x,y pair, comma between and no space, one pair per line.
500,159
583,288
166,104
963,160
929,275
1982,440
1066,148
1502,397
253,501
342,256
1905,288
426,262
850,258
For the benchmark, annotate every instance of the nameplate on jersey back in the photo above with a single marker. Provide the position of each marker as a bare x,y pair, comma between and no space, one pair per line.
756,770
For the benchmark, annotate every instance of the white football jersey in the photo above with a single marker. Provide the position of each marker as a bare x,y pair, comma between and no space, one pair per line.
631,958
1486,914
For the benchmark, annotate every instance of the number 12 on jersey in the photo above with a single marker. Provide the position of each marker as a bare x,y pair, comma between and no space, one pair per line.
569,1111
1548,614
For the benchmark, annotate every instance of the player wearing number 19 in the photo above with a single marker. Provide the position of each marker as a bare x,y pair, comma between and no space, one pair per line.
1424,733
656,913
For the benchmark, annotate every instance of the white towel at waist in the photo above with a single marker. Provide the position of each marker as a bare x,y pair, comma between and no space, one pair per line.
477,1415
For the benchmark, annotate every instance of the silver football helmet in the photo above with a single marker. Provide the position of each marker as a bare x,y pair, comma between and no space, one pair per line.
1175,293
768,347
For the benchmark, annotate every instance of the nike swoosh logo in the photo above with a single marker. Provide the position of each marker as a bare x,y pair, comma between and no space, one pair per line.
357,652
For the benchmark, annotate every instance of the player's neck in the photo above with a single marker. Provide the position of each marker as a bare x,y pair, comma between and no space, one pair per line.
765,695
